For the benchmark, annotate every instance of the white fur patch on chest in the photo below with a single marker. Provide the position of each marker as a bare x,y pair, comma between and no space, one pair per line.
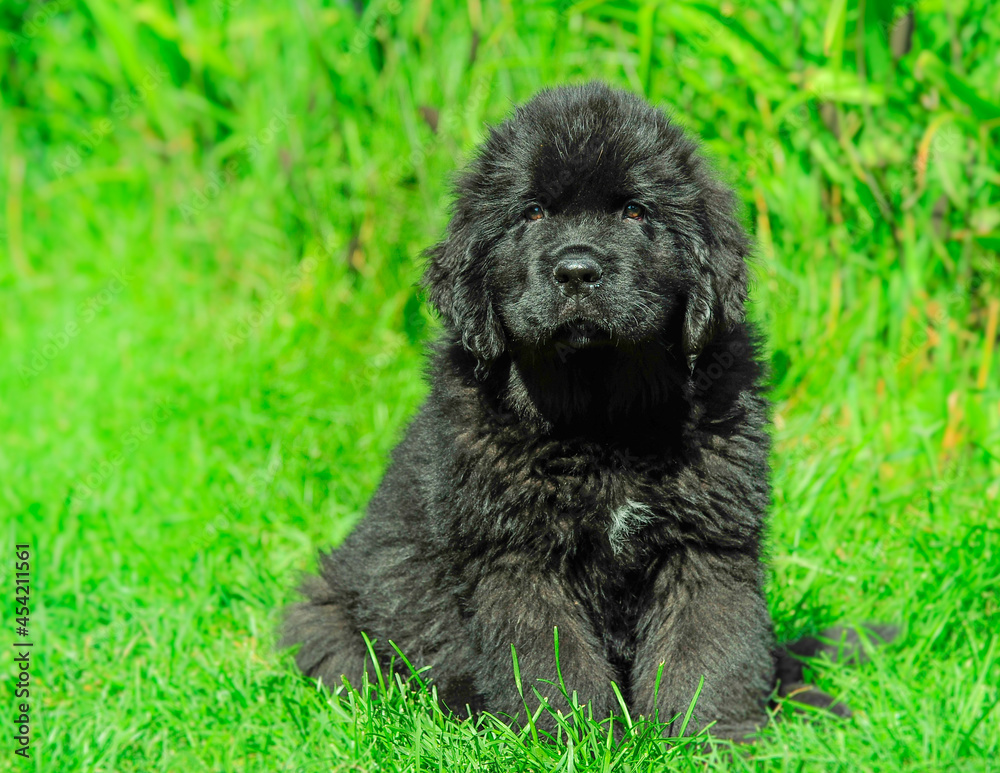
626,521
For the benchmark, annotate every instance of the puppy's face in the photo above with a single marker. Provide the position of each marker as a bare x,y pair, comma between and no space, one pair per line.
588,220
585,255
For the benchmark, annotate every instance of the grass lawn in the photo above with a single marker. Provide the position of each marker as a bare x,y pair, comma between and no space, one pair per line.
211,220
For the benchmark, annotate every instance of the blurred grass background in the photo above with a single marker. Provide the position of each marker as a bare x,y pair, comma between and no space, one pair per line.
211,217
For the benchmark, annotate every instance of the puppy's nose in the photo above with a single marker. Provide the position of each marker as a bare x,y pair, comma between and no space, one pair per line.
577,276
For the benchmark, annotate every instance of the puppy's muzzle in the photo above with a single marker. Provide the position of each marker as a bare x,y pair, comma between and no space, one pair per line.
577,276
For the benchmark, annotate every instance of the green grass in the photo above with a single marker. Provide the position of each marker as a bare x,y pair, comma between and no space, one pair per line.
212,217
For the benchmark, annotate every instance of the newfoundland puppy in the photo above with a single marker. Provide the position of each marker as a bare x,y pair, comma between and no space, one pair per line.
593,454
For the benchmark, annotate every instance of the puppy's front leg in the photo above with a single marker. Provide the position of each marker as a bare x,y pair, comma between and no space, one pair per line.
707,617
520,605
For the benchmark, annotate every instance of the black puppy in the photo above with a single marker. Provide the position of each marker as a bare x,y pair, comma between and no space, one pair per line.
593,454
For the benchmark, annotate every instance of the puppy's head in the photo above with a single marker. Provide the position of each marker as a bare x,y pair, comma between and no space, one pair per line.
588,219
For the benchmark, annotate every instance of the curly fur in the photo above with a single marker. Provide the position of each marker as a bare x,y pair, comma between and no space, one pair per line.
597,464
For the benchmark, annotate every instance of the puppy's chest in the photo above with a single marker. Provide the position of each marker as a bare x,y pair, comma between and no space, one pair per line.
623,530
594,504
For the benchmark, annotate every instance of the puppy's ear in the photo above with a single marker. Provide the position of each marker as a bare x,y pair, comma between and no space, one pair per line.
455,279
717,299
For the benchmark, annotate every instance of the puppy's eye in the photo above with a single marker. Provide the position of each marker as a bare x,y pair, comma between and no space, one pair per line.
633,211
534,212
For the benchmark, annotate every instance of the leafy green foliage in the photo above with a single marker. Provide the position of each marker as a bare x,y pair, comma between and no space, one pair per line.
212,220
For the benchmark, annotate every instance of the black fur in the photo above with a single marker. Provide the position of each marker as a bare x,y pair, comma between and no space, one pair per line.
592,456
